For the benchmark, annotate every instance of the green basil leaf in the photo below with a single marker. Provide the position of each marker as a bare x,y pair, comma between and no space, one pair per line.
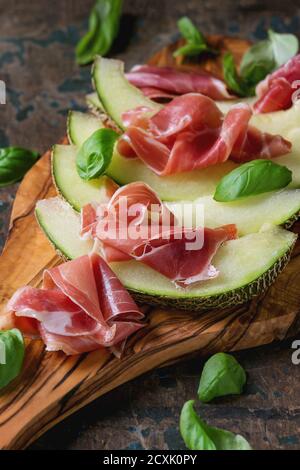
14,163
257,62
233,80
190,32
95,154
284,46
265,56
190,50
222,375
103,29
252,178
12,351
195,41
197,435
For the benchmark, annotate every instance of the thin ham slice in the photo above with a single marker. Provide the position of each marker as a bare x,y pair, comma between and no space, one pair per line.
136,214
176,82
290,71
254,143
182,265
54,309
276,98
182,255
191,133
70,345
89,213
275,92
81,307
156,94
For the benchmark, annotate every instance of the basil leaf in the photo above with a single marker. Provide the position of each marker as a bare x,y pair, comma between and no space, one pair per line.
190,50
284,46
12,352
222,375
252,178
197,435
195,41
95,154
189,31
103,29
233,80
14,163
257,62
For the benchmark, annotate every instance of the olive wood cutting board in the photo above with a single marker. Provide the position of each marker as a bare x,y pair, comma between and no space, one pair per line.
52,385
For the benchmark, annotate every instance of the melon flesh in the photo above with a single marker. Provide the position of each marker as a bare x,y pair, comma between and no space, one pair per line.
249,214
192,185
247,265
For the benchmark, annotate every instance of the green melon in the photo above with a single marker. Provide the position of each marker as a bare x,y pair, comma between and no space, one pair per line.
247,265
195,184
183,186
68,182
115,93
93,102
249,214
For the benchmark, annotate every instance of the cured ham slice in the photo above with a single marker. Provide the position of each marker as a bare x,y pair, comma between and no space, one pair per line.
182,255
290,71
253,143
89,213
180,264
191,133
275,92
167,79
70,345
135,214
156,94
276,98
81,307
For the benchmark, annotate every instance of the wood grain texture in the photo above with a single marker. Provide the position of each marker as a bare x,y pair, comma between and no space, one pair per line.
52,385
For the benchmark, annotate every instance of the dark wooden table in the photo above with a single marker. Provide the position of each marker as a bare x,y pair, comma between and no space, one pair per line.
37,41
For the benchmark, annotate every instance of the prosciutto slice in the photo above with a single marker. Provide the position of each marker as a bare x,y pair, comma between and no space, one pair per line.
81,307
191,133
275,92
182,255
88,214
161,82
156,94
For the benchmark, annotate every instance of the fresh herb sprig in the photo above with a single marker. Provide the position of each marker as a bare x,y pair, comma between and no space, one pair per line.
234,81
195,41
198,435
96,153
252,178
104,24
259,60
14,163
12,352
222,375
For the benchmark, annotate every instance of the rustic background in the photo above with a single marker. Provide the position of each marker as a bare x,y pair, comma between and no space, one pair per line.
37,41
